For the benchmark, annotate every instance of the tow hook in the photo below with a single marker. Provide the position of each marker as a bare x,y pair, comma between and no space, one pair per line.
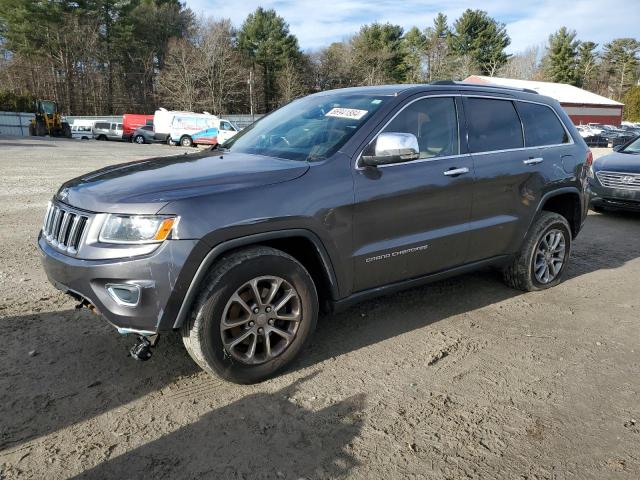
86,304
142,349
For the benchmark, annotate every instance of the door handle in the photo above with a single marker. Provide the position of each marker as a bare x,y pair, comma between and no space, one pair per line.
533,161
454,172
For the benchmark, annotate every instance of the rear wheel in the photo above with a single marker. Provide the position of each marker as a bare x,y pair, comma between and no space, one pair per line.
255,313
186,141
542,261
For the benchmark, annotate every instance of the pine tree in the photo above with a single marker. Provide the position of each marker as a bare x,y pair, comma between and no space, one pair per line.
265,39
561,59
438,54
621,60
379,55
587,64
414,43
482,38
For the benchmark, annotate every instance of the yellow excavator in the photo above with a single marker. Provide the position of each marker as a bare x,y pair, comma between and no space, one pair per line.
48,121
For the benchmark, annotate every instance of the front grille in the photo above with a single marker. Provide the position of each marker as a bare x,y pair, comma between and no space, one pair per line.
63,228
623,181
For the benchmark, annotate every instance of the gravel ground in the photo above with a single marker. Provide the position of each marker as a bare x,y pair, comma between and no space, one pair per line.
464,378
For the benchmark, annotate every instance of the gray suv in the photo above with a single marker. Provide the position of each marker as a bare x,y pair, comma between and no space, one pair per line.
330,200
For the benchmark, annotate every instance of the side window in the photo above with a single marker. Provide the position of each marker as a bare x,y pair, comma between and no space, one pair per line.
541,125
493,125
225,126
119,126
434,122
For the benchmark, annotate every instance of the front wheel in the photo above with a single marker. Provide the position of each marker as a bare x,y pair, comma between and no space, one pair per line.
543,258
139,139
255,313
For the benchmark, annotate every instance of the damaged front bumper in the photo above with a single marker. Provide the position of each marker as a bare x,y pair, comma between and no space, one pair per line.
154,278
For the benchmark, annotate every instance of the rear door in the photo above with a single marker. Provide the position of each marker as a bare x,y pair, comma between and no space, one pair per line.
511,175
410,218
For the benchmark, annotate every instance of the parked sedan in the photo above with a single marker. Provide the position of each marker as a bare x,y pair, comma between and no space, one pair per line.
615,178
144,134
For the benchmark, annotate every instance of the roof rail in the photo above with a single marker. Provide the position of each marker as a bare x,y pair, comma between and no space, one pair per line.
451,82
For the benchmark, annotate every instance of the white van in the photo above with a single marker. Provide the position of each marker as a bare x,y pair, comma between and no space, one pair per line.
162,119
82,129
188,128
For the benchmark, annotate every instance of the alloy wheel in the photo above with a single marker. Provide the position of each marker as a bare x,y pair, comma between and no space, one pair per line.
549,256
260,320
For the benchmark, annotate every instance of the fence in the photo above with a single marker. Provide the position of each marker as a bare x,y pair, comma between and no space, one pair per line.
240,120
15,123
104,118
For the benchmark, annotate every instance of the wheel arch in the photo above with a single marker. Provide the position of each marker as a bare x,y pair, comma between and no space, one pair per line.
566,202
295,242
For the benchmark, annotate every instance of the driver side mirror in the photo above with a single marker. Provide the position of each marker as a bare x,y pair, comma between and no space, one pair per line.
391,147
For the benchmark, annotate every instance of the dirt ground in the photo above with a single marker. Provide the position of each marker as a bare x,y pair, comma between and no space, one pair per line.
464,378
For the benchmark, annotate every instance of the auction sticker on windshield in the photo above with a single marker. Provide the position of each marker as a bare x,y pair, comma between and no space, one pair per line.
354,113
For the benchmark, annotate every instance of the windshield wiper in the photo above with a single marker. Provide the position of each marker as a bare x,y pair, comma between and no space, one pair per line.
217,146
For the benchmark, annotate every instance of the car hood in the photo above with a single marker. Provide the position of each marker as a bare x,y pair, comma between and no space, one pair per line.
619,162
148,185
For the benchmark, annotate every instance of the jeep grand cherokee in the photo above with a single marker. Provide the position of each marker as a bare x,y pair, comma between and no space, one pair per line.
329,200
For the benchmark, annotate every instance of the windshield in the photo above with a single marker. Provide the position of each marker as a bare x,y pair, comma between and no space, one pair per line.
633,147
311,128
48,107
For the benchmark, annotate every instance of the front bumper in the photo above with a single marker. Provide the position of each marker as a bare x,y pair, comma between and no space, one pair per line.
613,197
157,274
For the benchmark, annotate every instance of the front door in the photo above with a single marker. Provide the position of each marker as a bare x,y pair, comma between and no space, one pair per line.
410,218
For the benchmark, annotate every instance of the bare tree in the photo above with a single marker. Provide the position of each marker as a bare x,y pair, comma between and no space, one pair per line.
522,66
179,81
219,65
462,66
290,82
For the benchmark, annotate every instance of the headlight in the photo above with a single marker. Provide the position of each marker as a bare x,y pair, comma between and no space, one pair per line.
137,228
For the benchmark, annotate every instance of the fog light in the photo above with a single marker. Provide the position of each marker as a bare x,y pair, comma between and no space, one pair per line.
124,294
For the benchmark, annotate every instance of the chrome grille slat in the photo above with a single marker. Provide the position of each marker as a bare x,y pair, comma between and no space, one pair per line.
63,228
619,180
73,232
64,224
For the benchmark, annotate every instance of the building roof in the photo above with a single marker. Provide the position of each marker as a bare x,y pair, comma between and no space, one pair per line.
562,92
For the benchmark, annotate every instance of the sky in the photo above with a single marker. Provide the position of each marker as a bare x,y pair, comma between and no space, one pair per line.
320,22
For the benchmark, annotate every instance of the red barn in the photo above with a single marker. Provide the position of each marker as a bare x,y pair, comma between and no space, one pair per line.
581,106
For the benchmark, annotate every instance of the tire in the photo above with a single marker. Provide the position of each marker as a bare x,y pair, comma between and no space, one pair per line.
207,337
598,209
66,130
521,273
186,141
171,142
102,138
139,139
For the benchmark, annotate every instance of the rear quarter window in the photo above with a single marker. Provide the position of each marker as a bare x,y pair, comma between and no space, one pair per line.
493,125
541,125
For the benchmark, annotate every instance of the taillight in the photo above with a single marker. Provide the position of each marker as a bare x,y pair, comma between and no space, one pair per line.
588,164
